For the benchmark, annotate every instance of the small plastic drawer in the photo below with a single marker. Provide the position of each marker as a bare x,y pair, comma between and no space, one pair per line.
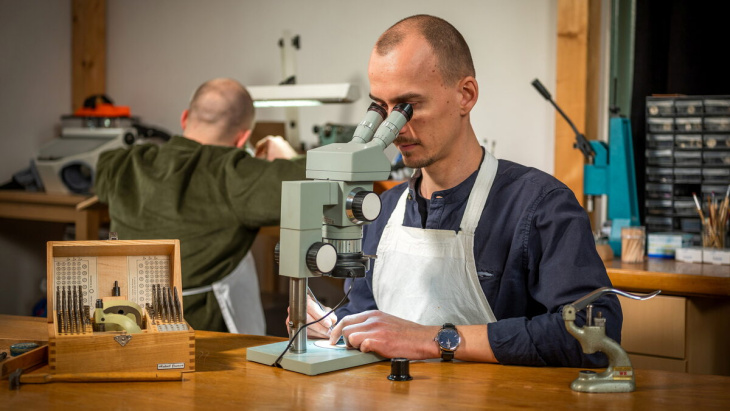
716,141
716,175
717,123
688,107
688,124
659,125
717,106
688,158
658,141
690,225
660,221
659,174
658,203
660,107
688,141
708,189
658,191
660,157
659,212
657,223
685,207
687,175
716,158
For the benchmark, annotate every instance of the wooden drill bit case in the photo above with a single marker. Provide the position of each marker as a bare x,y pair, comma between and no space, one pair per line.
139,284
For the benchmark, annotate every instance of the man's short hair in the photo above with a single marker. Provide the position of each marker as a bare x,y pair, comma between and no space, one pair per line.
224,103
452,53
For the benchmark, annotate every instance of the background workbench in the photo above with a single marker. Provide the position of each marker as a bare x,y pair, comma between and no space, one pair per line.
60,208
224,379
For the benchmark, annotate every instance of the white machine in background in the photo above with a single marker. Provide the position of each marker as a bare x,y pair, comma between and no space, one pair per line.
67,165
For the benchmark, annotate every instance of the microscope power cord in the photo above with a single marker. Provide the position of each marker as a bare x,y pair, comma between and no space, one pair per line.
291,340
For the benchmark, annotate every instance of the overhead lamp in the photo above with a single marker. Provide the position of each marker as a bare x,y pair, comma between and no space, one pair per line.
302,95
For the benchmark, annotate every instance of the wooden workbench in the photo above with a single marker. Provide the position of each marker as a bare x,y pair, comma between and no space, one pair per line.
225,380
672,277
83,211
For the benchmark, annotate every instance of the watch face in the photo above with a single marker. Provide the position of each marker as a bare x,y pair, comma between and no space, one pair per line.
448,339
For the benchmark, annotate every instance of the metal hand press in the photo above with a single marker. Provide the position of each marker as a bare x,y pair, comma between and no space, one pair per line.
619,376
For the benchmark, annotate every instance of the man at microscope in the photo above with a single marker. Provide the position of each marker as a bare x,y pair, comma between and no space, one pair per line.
479,251
204,190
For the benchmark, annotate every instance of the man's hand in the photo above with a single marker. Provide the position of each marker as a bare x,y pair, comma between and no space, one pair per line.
320,329
274,147
387,335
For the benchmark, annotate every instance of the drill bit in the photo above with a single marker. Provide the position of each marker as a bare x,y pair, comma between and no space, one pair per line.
64,309
165,303
74,310
178,309
158,298
150,312
87,319
80,309
153,305
59,323
173,315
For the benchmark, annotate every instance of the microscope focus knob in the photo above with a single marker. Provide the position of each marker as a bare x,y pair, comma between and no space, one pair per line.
363,206
321,258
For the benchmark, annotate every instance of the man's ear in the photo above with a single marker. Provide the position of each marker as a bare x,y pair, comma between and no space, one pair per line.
469,93
184,119
242,137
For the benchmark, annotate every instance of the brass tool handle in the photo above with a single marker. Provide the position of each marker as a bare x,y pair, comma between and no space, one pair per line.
585,301
100,377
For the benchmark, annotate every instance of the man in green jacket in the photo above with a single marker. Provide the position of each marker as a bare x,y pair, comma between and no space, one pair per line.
204,190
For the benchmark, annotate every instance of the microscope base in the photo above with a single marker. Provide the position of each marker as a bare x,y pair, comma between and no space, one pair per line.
316,360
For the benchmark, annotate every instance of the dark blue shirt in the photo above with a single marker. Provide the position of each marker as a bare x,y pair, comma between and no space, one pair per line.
534,253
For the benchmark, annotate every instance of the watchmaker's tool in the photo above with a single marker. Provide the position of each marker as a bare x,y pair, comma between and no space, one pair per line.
321,232
619,376
117,308
26,361
609,170
121,320
399,370
22,348
17,377
165,311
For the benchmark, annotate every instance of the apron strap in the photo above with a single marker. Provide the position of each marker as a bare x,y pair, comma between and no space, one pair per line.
479,193
197,290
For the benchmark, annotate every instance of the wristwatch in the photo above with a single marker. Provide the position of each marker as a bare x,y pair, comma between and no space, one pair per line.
448,340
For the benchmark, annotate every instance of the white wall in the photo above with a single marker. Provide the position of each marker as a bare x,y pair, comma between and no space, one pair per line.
160,51
35,90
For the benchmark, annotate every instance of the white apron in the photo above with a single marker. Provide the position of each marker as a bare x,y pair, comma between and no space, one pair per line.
238,298
429,276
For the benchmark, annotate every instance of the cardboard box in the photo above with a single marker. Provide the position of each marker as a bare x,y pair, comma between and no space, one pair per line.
81,273
716,256
689,254
664,245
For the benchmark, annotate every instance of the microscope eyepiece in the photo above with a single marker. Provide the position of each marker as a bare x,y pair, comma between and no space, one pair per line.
373,118
404,108
377,107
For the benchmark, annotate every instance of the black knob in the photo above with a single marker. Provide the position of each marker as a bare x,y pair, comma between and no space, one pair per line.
321,258
399,370
363,206
277,250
